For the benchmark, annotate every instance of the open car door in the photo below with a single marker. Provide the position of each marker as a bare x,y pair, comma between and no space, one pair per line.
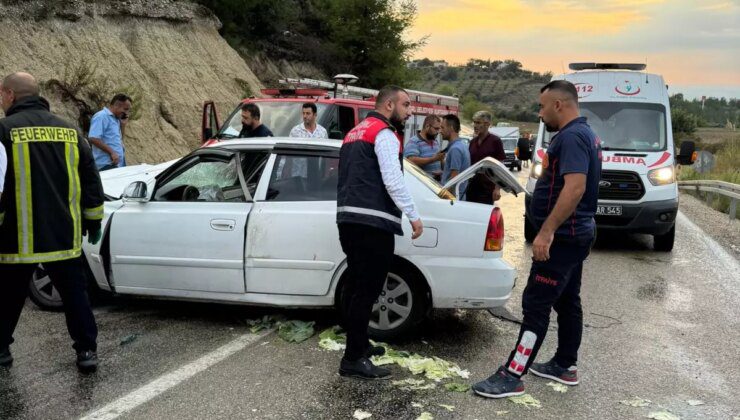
209,123
491,169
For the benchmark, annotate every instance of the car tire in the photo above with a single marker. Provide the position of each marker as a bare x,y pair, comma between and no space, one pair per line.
664,243
42,292
402,305
529,231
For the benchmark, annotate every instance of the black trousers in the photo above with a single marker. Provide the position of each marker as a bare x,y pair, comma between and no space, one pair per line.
68,277
552,284
369,255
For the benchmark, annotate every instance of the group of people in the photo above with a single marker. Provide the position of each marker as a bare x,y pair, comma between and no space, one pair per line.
424,150
372,198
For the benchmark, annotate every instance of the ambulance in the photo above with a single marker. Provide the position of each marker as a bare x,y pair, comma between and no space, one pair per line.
628,109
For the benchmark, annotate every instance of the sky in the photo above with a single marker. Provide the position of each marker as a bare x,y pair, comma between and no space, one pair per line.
695,45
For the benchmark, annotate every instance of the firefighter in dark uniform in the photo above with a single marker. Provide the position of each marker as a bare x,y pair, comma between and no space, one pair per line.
563,207
52,197
371,199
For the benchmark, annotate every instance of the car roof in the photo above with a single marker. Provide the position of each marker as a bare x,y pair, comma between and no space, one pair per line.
272,142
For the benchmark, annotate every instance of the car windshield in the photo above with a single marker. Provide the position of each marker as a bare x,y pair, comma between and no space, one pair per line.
624,126
509,144
427,180
279,117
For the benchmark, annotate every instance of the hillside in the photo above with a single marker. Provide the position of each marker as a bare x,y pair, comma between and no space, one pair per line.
168,54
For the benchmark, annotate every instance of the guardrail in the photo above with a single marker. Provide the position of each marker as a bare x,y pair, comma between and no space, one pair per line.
712,188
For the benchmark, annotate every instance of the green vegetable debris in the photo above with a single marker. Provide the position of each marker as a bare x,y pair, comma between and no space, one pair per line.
332,339
412,384
457,387
636,402
425,416
447,407
295,331
526,400
264,323
361,415
558,387
432,368
663,415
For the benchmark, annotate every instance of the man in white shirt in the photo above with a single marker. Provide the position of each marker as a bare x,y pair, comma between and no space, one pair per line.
309,129
371,200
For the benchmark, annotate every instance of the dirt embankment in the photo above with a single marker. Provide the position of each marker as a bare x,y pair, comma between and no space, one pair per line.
169,54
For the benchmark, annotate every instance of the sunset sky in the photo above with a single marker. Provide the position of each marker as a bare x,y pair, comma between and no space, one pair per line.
695,45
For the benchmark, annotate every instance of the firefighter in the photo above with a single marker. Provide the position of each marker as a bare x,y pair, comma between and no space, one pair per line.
563,207
52,197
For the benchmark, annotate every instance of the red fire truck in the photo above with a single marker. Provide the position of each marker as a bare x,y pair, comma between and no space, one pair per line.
340,107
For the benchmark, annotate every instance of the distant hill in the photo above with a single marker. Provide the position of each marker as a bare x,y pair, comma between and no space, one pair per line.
501,86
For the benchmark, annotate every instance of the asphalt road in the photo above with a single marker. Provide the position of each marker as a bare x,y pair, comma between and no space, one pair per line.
660,326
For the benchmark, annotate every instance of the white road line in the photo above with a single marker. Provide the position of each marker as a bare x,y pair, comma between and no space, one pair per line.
731,265
166,382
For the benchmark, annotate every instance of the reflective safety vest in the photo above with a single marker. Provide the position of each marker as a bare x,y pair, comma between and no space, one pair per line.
51,185
361,194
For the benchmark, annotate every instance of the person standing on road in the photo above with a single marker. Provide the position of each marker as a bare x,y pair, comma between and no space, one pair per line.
107,128
423,149
483,145
3,167
309,129
53,198
251,124
563,207
371,197
458,156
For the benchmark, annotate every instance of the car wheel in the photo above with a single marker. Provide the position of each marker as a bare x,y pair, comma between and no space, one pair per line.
400,307
529,231
664,243
42,292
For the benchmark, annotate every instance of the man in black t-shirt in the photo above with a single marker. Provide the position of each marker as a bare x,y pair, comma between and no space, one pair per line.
251,125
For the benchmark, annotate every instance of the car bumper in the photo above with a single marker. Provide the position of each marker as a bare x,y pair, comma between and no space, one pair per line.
470,283
637,218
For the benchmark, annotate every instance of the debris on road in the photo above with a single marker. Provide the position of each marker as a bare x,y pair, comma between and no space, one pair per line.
412,384
558,387
417,405
457,387
264,323
332,339
636,402
361,415
129,339
295,331
447,407
425,416
526,400
694,403
502,412
433,368
663,415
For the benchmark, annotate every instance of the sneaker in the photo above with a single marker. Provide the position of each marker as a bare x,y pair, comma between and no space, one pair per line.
6,359
374,351
501,384
87,361
552,370
362,368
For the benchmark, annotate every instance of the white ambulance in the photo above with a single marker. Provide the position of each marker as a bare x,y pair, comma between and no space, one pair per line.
628,110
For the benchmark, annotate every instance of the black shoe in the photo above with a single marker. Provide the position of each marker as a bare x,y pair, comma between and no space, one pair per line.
552,370
501,384
87,361
374,351
6,359
362,368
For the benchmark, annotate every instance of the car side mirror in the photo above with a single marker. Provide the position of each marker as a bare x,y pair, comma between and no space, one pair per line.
136,192
687,153
335,134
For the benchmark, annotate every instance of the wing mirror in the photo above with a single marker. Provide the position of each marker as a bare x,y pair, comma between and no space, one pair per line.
136,192
687,153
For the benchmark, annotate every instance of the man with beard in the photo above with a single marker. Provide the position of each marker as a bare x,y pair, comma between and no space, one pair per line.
483,145
563,207
371,198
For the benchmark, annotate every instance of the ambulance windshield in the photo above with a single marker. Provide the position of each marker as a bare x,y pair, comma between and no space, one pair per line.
628,127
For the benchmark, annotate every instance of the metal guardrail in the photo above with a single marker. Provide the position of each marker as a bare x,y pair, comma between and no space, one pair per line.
712,188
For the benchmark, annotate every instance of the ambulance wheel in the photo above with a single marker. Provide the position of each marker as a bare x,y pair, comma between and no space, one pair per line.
664,243
529,232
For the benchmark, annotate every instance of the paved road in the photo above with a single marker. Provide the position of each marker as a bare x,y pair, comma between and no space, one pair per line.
663,327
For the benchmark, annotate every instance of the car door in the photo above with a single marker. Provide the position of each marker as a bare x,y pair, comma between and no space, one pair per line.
292,245
491,169
189,235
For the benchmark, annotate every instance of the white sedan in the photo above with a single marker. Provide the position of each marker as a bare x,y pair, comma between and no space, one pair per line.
254,222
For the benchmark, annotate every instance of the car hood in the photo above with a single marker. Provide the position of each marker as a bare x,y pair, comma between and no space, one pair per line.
116,180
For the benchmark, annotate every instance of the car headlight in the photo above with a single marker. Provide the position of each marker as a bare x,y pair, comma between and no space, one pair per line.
536,171
662,176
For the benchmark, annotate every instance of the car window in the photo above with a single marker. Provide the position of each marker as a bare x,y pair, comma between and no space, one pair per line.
303,178
208,179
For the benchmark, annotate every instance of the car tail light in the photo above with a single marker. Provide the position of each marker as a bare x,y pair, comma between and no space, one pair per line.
495,233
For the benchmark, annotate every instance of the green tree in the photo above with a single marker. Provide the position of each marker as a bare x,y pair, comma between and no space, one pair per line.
683,121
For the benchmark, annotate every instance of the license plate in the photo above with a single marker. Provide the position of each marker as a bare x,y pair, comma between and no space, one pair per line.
609,210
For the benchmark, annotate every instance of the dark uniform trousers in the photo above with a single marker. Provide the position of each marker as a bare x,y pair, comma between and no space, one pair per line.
369,256
552,284
70,280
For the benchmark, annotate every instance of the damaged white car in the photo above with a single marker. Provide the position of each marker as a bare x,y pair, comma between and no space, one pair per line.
253,222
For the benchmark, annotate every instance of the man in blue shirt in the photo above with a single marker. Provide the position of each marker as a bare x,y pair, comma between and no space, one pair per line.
458,155
423,149
562,208
106,133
